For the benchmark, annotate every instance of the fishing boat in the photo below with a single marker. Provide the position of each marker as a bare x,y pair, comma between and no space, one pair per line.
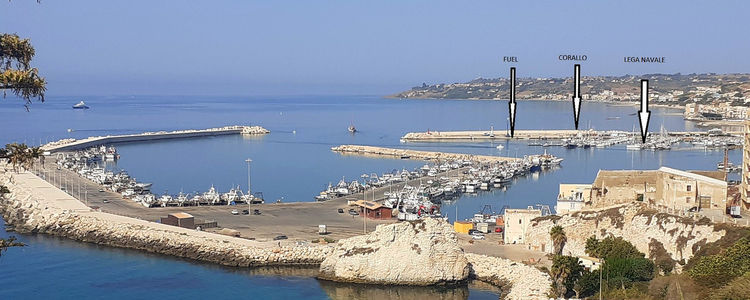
352,129
80,105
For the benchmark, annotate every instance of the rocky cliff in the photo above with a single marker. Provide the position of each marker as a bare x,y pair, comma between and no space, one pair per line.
666,238
518,281
423,252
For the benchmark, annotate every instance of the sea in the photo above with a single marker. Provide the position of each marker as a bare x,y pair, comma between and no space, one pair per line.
292,164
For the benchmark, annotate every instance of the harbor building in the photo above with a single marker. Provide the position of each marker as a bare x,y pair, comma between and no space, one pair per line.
665,187
745,165
181,219
374,210
572,197
517,223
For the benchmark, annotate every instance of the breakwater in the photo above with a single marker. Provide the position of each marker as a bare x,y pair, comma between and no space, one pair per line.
552,134
73,144
416,154
35,206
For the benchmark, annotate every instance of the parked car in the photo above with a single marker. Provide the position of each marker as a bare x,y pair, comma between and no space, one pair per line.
245,212
477,236
473,231
280,237
353,212
498,229
341,210
235,212
105,201
256,212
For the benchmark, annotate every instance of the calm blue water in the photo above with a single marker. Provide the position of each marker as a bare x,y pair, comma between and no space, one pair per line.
295,162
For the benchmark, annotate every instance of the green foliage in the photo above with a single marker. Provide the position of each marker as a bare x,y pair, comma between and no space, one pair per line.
557,234
565,271
587,285
738,288
718,269
612,247
21,155
16,73
633,269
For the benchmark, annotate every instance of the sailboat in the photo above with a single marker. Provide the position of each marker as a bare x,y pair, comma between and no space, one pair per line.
352,129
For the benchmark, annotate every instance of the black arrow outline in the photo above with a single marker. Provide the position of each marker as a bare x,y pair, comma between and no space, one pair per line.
644,107
512,102
576,93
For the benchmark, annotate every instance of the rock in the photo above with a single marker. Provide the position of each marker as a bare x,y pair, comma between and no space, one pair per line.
423,252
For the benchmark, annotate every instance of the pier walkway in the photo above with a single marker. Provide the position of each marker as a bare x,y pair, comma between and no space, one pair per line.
415,154
487,135
73,144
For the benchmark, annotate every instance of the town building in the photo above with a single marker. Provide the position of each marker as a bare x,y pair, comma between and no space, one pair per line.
665,187
517,222
572,197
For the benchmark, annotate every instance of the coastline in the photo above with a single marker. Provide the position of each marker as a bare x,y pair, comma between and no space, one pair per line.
36,206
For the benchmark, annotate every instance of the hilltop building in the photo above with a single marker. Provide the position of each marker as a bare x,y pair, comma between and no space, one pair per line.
665,187
572,197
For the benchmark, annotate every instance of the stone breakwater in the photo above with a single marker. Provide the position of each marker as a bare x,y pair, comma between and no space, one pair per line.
415,154
73,144
666,238
518,281
34,206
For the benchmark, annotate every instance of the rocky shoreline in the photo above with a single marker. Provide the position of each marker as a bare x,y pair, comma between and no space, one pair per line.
29,211
417,253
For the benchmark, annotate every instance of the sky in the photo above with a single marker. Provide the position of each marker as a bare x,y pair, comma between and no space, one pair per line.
362,47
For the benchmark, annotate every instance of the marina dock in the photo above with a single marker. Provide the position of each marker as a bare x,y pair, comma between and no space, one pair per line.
490,135
415,154
73,144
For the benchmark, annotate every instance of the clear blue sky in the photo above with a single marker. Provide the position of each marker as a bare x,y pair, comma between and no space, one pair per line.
361,47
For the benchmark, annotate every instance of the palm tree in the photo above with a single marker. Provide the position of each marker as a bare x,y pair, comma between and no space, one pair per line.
557,234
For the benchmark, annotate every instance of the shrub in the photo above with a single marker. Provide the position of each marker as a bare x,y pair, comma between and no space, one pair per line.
718,269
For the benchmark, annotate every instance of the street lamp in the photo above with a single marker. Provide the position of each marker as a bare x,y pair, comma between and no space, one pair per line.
249,190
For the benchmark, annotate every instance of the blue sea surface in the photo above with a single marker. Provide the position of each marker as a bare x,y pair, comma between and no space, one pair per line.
294,162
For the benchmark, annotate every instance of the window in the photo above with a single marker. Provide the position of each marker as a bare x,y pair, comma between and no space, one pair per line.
639,197
688,188
519,221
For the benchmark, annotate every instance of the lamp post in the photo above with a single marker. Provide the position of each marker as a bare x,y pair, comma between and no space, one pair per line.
248,161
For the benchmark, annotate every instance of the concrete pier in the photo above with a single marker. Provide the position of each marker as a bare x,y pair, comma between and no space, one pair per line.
73,144
415,154
487,135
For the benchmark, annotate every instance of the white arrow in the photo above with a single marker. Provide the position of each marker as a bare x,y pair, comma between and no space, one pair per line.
576,93
644,114
512,102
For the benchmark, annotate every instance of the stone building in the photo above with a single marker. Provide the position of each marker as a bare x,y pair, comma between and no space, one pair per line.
572,197
517,223
664,187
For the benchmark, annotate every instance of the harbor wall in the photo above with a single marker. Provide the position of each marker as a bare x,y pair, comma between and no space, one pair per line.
35,206
667,239
487,135
415,154
71,144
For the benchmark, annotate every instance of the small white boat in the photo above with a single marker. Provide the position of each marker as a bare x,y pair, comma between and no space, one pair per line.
80,105
499,147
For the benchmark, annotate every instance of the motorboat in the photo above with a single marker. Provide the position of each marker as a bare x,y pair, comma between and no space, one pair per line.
80,105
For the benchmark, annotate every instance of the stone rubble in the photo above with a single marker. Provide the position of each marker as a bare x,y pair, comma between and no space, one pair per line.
519,280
